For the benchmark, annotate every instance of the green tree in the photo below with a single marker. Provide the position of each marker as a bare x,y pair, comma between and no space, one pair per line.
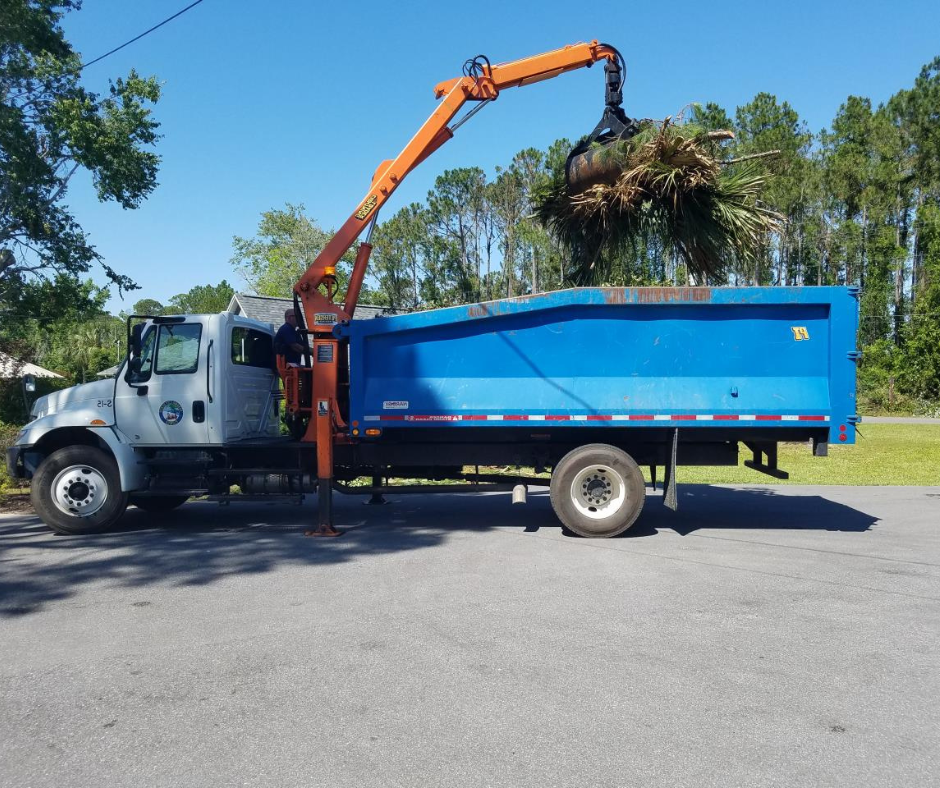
508,200
852,203
399,258
923,122
711,116
148,306
919,374
522,244
202,300
50,127
41,314
80,350
283,248
897,184
63,327
533,240
454,216
918,114
764,125
47,301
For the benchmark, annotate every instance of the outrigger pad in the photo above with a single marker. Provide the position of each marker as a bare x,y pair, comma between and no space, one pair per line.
324,531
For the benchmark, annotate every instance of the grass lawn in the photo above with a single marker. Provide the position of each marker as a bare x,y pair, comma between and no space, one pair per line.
907,454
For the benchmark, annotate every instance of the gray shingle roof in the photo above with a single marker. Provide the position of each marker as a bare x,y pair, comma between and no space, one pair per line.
269,309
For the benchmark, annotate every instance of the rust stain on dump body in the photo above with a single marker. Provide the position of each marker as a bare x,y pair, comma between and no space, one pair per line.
611,295
657,295
503,306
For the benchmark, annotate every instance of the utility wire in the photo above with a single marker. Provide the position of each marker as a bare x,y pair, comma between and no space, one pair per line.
137,38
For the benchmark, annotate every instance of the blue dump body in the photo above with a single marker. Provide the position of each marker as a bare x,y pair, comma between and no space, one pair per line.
614,357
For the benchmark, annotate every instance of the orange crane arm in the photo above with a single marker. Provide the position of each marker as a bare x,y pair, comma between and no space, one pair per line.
482,86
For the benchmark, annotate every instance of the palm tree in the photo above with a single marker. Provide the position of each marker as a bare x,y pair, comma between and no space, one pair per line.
665,187
80,352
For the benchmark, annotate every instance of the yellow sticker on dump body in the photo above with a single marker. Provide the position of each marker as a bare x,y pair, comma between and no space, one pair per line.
799,332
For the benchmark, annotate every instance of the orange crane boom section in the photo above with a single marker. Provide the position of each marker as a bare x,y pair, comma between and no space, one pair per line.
453,94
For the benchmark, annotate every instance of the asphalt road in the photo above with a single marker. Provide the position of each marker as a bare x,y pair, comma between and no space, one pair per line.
759,637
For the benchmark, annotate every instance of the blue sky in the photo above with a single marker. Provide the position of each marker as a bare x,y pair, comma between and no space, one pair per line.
289,101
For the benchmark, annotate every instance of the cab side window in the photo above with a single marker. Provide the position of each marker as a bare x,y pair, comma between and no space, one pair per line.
178,348
252,348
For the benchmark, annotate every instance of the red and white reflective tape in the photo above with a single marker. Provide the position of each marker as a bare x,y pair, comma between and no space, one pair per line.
597,417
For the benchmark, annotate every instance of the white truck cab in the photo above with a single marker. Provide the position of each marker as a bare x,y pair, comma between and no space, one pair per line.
195,383
198,380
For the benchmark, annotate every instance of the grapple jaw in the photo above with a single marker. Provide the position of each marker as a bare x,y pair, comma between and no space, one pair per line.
587,165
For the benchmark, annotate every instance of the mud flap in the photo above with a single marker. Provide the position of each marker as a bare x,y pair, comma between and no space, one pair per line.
670,493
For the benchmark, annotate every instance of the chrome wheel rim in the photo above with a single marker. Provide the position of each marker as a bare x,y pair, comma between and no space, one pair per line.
79,491
598,492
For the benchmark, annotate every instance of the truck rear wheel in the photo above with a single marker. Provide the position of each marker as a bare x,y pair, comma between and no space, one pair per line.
77,490
597,490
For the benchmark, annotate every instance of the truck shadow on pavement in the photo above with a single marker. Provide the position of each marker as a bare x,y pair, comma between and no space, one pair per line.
202,543
703,506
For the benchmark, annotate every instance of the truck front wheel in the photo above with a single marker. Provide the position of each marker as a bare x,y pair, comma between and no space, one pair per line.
597,490
77,490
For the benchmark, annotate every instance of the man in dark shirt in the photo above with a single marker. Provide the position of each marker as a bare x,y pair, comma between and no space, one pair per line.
287,341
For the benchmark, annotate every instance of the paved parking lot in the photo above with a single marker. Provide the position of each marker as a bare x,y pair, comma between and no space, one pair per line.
760,636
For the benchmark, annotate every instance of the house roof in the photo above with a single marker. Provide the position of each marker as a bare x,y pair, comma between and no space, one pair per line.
269,309
11,368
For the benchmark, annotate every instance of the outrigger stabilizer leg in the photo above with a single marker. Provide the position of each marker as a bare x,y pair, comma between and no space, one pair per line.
324,510
376,499
324,471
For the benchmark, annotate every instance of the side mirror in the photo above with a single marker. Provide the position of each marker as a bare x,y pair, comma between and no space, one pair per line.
136,333
29,383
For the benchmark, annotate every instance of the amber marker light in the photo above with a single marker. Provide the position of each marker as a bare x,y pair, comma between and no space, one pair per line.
372,432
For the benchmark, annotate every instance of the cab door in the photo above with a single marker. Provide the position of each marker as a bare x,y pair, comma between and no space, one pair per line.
166,400
249,386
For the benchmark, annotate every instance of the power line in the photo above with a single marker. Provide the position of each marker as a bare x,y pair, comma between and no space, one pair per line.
137,38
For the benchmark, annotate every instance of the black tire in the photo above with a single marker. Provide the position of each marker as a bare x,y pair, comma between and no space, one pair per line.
155,504
597,491
85,500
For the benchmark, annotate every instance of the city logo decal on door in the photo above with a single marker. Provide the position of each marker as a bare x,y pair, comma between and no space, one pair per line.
171,412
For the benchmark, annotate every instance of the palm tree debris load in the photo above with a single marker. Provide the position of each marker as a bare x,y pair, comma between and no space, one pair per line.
666,185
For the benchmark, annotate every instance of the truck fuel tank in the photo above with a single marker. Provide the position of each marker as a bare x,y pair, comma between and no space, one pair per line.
278,483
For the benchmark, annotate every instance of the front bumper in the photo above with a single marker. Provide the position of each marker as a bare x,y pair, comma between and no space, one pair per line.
16,465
